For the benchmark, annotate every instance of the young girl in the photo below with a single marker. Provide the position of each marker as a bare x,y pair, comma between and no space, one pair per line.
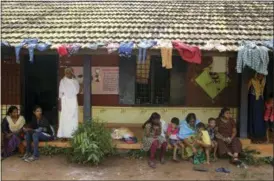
39,130
153,138
269,115
211,130
174,141
204,140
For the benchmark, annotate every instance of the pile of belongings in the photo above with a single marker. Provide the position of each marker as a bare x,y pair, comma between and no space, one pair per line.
124,134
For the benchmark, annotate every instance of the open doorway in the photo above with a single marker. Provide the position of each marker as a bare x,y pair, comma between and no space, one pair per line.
40,86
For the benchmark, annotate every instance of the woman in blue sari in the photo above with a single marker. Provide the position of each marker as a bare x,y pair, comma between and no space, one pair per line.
188,134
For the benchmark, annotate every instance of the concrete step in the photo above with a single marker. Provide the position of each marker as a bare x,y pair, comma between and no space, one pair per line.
264,149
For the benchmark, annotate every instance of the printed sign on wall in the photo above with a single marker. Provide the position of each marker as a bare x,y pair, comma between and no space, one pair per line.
105,80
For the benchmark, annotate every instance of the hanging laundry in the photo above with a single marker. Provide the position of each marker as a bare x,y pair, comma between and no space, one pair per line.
269,44
166,53
43,46
125,49
73,49
94,46
31,44
62,50
143,46
253,56
142,71
5,43
191,54
112,47
213,44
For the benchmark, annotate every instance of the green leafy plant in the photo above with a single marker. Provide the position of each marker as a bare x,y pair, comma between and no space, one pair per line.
51,150
91,143
250,157
137,154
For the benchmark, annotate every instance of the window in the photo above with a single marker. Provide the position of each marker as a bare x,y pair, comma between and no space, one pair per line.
152,82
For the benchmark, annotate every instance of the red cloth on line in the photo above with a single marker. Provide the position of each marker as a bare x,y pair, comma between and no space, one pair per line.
62,50
191,54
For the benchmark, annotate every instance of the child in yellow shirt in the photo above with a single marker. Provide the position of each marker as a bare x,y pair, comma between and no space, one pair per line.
204,140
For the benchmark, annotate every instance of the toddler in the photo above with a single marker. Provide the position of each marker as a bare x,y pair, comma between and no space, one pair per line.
204,139
174,141
211,130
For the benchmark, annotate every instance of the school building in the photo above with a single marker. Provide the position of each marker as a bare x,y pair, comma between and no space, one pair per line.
123,91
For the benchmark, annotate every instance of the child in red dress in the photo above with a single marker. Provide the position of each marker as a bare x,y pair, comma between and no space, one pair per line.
174,141
269,115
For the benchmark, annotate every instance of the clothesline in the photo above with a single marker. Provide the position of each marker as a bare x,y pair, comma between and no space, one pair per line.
253,54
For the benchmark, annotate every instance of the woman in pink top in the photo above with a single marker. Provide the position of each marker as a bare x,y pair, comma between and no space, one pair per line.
269,115
174,141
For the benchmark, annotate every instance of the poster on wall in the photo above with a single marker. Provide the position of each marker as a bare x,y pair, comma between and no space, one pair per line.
105,80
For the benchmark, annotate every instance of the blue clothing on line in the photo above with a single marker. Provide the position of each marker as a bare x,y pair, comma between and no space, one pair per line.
31,43
143,46
95,46
269,44
5,43
73,49
125,49
254,56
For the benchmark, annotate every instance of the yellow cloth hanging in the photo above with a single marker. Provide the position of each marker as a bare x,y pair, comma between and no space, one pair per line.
142,71
258,86
166,53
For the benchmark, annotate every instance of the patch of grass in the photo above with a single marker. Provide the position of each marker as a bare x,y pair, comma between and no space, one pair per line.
51,150
140,154
248,156
244,174
137,154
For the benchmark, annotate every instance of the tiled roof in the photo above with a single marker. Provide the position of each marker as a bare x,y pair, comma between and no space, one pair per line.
192,21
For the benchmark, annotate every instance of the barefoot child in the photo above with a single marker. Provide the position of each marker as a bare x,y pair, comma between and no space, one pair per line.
211,130
174,141
204,140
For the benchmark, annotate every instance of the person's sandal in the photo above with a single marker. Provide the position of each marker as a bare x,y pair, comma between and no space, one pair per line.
236,161
151,164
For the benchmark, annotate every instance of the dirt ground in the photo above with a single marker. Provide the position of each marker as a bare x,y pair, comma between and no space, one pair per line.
120,168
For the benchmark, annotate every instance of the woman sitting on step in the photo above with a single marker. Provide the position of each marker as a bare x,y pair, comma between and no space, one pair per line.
39,130
226,133
154,139
12,126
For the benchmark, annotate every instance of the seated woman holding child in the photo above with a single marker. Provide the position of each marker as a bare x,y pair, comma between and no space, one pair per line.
187,134
153,138
226,132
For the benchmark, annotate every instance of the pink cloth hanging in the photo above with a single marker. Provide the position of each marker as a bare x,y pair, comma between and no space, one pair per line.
62,50
191,54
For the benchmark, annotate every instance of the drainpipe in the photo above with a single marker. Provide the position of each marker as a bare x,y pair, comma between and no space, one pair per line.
87,88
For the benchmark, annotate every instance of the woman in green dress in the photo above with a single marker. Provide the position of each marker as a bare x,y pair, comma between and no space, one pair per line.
153,139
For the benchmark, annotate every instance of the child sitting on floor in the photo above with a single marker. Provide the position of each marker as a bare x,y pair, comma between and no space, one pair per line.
211,130
174,141
203,139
